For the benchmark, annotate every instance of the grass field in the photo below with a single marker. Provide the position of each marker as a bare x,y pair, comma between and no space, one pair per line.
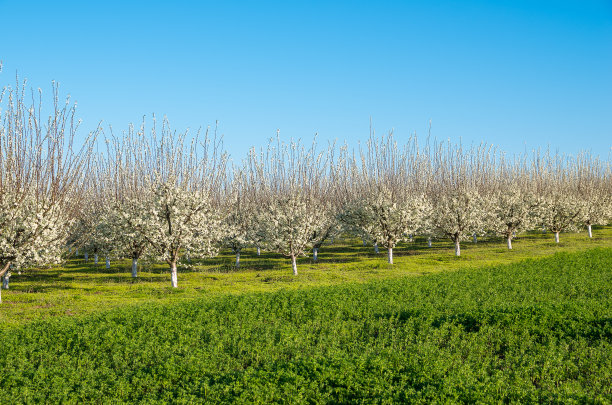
79,288
536,330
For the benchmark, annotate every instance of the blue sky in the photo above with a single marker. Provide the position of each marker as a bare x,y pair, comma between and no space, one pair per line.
517,74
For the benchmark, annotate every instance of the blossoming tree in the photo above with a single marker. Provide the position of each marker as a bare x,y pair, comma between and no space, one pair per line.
291,182
168,192
40,173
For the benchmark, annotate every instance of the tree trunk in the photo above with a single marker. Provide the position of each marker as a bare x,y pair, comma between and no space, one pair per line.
390,255
294,265
457,247
3,271
258,251
5,280
510,242
475,237
107,263
590,230
76,252
237,259
376,248
364,242
173,274
557,237
86,256
315,254
96,259
134,268
429,242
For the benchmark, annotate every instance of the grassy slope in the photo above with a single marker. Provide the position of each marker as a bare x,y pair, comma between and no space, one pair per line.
79,288
535,331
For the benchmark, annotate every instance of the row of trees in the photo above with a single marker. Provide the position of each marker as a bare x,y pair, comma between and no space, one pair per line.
170,196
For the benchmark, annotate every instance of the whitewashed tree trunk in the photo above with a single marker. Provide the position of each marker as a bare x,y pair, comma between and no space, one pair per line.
5,280
364,242
134,268
590,230
390,255
69,250
173,275
76,252
107,263
475,237
315,254
457,247
376,248
258,251
86,256
510,242
294,265
96,259
557,237
429,242
237,259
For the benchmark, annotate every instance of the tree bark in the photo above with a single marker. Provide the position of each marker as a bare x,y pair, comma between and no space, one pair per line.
315,254
364,242
475,237
510,242
5,269
390,255
457,247
237,259
590,230
557,237
134,268
376,248
86,256
5,280
107,263
96,259
429,242
173,274
258,251
294,265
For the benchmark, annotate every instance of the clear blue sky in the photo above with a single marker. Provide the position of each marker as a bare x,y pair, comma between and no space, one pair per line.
512,73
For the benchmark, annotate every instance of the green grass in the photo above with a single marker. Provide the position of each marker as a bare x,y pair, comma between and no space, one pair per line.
537,330
79,288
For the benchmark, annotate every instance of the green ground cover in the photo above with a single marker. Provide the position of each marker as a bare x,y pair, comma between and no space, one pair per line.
537,330
78,288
